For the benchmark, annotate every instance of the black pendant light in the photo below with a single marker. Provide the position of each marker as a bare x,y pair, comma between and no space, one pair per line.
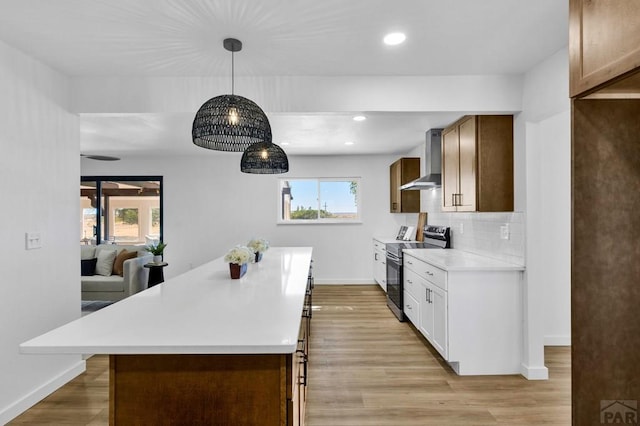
264,158
230,122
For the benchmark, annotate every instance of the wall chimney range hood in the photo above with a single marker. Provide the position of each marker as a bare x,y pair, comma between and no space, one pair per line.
432,161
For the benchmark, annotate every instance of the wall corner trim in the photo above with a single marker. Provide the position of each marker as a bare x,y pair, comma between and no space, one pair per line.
557,340
534,373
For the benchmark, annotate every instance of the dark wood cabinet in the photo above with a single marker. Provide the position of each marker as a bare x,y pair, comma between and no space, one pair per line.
477,164
605,225
404,171
604,47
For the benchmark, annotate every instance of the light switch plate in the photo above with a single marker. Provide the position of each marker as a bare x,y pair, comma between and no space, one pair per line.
33,240
504,232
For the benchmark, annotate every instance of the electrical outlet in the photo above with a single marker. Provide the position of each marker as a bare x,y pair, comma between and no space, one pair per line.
504,232
32,240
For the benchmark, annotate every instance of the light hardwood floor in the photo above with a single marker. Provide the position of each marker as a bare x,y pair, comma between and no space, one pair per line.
366,368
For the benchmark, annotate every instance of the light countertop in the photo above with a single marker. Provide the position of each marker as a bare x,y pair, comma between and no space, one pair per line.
200,312
387,240
458,260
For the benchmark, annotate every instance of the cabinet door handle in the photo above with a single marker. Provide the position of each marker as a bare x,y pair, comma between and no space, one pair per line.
426,295
306,375
408,306
453,199
394,206
304,378
410,282
430,273
375,256
409,262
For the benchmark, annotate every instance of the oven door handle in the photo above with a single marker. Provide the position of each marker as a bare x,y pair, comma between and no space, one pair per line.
393,258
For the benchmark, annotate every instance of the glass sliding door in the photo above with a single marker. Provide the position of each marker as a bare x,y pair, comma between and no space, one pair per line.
130,209
88,212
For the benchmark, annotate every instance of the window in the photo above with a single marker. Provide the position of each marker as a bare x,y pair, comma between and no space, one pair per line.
324,200
126,228
121,209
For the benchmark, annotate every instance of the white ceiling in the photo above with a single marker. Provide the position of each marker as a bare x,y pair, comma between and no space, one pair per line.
281,38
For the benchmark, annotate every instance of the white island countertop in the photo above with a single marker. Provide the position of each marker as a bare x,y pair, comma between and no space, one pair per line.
200,312
458,260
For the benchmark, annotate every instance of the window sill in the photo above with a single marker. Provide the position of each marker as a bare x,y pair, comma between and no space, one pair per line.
319,222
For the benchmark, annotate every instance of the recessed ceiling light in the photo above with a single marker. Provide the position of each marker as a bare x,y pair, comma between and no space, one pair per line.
348,143
359,118
393,39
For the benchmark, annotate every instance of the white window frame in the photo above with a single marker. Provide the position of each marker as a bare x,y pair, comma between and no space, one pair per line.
320,221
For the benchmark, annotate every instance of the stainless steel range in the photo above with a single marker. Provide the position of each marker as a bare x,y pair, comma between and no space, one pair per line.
435,237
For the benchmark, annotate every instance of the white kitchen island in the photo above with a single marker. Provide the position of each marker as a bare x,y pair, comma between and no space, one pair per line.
202,348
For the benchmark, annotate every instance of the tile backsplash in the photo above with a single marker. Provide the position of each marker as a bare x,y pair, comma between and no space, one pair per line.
479,232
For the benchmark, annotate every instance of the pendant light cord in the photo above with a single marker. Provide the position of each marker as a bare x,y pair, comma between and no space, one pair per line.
232,72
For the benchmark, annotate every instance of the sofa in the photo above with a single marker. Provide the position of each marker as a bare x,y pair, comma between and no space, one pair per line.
126,278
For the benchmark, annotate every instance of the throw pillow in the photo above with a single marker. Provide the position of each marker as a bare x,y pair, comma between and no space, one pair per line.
104,265
88,267
118,264
87,252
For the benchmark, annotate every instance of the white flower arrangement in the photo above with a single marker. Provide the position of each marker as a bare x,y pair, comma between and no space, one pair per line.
239,255
258,245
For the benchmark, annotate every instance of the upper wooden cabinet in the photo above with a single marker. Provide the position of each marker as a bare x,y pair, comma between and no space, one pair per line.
604,47
477,164
404,171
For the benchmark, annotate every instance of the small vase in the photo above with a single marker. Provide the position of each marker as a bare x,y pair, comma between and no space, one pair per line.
258,256
157,258
237,271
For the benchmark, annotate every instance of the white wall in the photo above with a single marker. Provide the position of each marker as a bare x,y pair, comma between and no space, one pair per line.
210,206
39,171
548,164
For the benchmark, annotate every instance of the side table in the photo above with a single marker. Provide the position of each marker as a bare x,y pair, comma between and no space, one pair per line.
156,275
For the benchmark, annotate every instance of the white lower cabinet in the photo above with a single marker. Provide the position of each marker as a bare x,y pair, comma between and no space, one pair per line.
472,318
433,317
380,264
411,308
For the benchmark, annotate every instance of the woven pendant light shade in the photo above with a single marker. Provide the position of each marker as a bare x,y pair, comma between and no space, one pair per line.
264,158
230,122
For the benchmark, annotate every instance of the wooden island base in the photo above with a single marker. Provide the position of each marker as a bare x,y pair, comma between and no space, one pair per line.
205,389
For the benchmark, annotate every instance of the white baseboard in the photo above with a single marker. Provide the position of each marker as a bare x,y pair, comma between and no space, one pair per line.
558,340
38,394
534,373
336,281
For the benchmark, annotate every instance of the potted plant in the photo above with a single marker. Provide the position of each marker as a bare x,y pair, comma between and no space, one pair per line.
156,250
238,257
259,246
